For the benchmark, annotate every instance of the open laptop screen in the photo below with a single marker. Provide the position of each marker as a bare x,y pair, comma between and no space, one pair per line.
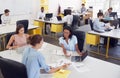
59,18
79,58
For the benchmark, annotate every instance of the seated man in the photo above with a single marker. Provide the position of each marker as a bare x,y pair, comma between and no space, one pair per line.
6,17
100,26
68,19
41,14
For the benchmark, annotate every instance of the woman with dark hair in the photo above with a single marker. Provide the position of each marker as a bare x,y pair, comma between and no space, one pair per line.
19,39
34,60
69,42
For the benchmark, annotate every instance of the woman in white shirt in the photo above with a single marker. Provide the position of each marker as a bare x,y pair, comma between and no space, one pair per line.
5,17
69,42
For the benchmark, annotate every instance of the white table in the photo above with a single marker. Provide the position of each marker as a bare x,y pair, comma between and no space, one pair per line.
96,68
115,33
4,29
56,26
51,21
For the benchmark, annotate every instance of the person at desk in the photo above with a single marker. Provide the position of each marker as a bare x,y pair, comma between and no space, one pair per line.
68,19
19,39
34,60
83,9
107,14
41,14
6,17
98,25
69,42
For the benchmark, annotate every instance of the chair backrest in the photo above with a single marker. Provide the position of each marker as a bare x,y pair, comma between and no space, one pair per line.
75,20
0,18
91,24
7,38
80,37
25,23
66,12
12,69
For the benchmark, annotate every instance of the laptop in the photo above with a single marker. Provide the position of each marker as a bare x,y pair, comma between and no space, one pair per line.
79,58
59,18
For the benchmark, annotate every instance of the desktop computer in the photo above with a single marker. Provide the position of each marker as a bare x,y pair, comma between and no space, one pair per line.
48,16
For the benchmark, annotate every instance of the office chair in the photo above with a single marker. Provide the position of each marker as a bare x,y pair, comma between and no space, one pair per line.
75,22
80,37
25,23
0,18
12,69
67,11
91,24
8,38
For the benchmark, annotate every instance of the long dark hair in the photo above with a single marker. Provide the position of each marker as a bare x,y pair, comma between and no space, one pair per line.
69,29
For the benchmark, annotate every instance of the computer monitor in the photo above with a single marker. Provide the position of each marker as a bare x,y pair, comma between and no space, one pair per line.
49,15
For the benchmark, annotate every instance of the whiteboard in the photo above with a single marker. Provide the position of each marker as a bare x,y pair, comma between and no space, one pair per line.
16,7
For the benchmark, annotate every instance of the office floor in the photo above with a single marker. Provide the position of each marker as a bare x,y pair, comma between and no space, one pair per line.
114,52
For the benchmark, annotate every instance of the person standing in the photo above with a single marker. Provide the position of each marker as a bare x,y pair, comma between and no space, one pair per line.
69,42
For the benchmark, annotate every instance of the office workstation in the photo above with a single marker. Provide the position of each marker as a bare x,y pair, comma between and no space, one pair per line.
86,41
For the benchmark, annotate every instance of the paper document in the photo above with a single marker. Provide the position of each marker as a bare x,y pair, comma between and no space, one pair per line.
58,52
80,67
60,63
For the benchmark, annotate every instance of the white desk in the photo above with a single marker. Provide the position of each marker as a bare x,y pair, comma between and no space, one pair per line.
97,68
11,28
56,26
51,21
115,33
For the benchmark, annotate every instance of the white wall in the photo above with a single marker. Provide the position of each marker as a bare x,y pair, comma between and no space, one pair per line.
53,5
76,4
18,7
98,5
15,6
